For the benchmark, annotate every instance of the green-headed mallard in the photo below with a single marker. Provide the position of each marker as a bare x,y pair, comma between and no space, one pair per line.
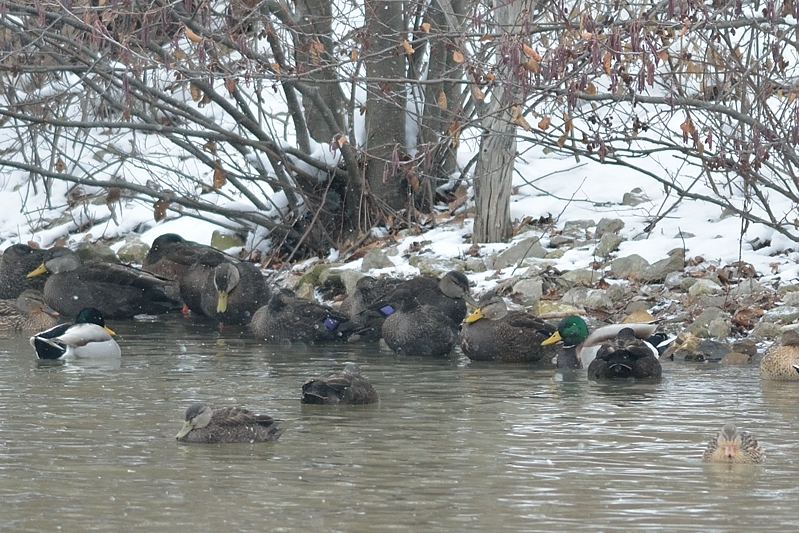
733,446
580,348
492,333
171,255
118,291
288,318
625,357
29,312
416,329
333,388
87,337
781,361
227,291
227,425
17,261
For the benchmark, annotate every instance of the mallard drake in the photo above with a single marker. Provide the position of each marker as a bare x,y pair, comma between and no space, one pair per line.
781,361
625,357
416,329
29,312
171,255
118,291
733,446
227,425
229,292
492,333
288,318
580,348
87,337
334,388
17,261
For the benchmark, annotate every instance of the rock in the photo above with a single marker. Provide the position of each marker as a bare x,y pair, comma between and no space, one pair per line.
735,358
530,290
708,315
224,241
624,267
745,346
634,197
575,277
578,227
746,287
555,308
556,254
374,259
608,244
784,314
588,298
475,264
766,330
530,247
689,348
687,282
609,225
305,290
704,286
349,278
673,280
560,240
133,251
791,299
88,251
659,270
718,328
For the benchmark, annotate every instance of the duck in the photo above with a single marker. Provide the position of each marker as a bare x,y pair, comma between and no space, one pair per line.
579,348
171,256
117,290
492,333
781,361
417,329
87,337
226,291
29,312
625,357
226,425
334,388
368,290
288,318
17,261
732,445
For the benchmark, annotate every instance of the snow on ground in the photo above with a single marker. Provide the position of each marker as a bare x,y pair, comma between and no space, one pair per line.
548,184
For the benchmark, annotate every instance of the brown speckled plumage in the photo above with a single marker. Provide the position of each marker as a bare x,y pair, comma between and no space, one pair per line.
779,361
733,446
334,388
227,425
29,312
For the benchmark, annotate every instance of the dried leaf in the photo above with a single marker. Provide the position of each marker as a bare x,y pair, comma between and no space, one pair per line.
518,118
341,140
606,62
210,146
442,100
59,165
663,55
190,35
544,123
354,55
687,127
529,52
591,89
159,209
220,178
425,27
478,93
275,67
531,65
457,56
562,140
641,316
407,46
568,125
196,93
179,54
230,85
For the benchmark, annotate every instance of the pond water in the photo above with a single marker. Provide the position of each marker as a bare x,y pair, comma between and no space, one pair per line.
452,446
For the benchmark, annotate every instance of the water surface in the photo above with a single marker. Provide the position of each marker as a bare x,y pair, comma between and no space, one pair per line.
453,445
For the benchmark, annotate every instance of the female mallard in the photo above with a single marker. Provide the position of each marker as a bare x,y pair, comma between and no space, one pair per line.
118,291
288,318
733,446
229,292
17,261
171,255
334,388
625,357
781,361
416,329
29,312
492,333
580,348
227,425
87,337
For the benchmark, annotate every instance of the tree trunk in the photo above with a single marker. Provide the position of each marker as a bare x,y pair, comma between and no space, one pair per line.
385,104
493,174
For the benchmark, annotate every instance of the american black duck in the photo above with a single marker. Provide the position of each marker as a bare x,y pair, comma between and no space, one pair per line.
333,388
291,319
417,329
227,425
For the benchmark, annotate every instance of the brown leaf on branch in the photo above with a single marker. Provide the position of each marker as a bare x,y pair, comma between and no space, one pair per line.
518,118
220,178
159,209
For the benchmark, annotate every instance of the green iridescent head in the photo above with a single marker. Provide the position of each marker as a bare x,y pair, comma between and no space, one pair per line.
572,330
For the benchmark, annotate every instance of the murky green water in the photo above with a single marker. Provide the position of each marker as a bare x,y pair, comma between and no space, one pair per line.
451,447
